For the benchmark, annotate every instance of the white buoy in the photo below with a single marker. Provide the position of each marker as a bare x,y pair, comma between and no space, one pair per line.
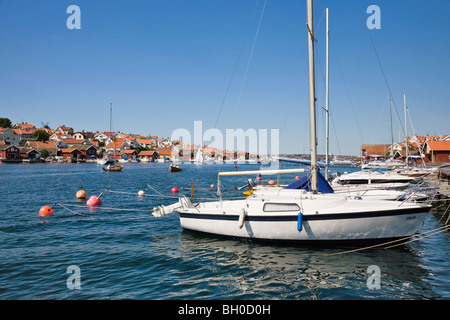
141,193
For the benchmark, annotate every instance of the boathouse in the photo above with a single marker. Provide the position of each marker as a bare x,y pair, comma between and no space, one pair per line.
149,154
437,151
71,153
9,152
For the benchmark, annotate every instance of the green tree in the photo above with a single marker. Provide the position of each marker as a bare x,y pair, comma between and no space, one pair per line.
5,123
41,135
44,153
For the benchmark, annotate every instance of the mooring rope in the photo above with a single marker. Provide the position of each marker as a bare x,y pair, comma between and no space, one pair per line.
74,212
441,229
101,207
418,235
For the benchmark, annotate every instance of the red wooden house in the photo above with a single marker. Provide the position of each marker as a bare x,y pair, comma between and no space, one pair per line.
9,152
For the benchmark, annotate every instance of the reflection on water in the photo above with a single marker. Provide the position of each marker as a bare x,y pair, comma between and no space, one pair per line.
131,254
292,272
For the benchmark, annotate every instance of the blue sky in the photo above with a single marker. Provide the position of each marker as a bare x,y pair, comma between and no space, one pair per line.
165,63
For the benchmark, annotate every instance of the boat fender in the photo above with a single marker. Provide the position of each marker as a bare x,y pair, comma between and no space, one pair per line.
241,218
300,221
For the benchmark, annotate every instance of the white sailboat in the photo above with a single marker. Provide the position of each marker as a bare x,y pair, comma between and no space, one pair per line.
108,160
199,157
299,215
282,214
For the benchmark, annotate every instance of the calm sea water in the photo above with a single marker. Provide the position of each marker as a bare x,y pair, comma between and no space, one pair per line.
129,254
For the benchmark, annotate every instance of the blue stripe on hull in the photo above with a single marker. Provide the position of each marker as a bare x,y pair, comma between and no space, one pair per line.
316,217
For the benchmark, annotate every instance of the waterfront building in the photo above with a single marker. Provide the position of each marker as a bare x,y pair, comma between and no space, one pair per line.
29,154
9,136
437,151
50,146
149,155
9,152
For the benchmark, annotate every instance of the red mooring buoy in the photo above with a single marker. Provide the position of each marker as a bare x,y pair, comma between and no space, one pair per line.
94,201
45,211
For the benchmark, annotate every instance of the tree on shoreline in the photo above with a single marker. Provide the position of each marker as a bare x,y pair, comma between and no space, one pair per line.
44,153
41,135
5,123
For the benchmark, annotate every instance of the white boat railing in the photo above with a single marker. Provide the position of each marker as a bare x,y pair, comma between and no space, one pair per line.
252,172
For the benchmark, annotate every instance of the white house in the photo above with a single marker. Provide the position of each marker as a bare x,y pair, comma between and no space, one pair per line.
60,136
103,136
79,135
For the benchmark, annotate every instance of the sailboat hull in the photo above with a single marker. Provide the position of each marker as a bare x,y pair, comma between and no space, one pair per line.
349,225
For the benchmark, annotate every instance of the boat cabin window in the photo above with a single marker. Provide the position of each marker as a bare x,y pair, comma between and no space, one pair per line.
277,207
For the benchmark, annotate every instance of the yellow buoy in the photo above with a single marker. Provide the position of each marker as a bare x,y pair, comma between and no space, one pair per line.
248,193
81,194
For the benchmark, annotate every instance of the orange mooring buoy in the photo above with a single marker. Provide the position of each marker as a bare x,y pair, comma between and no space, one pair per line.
45,211
272,182
81,194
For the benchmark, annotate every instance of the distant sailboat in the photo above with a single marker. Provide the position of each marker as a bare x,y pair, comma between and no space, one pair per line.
108,161
199,157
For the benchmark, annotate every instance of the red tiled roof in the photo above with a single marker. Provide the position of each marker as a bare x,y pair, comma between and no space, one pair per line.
129,151
439,145
22,131
375,149
165,151
42,145
23,125
73,141
69,150
146,141
146,153
117,143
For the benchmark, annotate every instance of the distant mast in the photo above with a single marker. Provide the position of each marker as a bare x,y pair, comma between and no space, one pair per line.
327,102
110,116
110,129
312,99
392,132
406,132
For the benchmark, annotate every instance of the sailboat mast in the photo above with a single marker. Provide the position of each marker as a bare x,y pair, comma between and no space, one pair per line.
392,133
327,103
110,129
110,115
312,99
406,133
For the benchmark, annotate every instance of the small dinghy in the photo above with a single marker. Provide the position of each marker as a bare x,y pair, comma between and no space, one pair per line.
113,168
